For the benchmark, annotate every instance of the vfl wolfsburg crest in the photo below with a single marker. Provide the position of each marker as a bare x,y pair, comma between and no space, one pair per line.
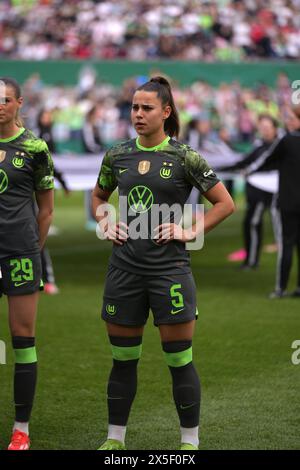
166,170
3,181
18,162
140,199
111,309
144,167
2,155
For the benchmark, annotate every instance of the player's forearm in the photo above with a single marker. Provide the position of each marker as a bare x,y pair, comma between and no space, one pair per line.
44,220
98,206
219,212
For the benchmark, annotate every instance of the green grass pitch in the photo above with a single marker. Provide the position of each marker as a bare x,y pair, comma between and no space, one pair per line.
242,349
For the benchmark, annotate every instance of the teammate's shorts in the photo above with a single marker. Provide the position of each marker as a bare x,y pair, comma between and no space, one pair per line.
128,298
21,275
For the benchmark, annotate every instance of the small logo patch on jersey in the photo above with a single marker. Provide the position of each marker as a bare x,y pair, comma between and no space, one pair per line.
111,309
144,167
208,173
165,172
18,162
2,156
3,181
121,170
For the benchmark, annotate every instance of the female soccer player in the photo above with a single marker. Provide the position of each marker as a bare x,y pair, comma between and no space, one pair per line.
153,271
25,168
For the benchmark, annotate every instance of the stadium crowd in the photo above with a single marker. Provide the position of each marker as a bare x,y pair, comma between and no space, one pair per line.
134,30
93,116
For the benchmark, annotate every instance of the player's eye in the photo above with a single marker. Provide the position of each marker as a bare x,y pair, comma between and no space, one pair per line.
135,107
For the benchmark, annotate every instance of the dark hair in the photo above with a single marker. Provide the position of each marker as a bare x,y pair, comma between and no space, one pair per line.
164,93
8,81
270,118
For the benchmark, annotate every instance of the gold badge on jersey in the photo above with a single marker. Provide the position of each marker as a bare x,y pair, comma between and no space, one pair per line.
144,167
2,156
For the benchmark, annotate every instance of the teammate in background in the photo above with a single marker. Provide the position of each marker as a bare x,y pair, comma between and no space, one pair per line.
286,156
25,169
261,190
153,272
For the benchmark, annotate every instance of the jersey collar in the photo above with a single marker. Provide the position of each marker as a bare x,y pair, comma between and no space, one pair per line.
14,137
153,149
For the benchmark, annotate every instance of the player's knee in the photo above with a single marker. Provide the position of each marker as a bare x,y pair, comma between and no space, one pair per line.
126,348
126,353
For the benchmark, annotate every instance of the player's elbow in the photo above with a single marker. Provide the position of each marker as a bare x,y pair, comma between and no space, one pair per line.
229,207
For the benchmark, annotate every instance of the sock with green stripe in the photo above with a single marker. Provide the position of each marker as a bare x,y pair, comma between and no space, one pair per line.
186,385
122,382
25,376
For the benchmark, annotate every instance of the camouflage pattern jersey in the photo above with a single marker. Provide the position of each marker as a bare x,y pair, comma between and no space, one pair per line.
146,177
25,167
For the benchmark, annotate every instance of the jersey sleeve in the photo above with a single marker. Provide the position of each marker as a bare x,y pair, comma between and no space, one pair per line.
106,179
197,171
43,167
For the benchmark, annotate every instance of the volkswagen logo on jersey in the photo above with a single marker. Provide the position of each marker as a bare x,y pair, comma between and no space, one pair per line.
140,199
3,181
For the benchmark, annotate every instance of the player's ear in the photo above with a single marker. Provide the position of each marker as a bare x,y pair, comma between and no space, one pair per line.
20,101
167,112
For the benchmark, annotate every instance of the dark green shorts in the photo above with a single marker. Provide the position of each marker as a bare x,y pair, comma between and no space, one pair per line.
20,275
128,298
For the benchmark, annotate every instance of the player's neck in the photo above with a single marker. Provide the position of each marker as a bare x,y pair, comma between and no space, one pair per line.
8,130
151,140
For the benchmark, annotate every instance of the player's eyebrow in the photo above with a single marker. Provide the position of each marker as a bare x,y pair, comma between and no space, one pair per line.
143,105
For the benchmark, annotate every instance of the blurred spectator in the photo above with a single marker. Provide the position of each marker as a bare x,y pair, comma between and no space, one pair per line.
90,132
135,30
208,115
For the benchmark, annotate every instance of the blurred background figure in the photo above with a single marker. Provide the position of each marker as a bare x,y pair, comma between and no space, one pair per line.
261,193
44,128
92,143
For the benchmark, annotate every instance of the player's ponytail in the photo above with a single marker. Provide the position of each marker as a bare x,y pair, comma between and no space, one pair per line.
17,90
164,93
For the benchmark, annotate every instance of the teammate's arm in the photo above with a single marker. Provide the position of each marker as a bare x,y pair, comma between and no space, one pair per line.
45,202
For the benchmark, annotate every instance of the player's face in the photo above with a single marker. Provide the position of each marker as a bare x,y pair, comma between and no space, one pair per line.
267,130
9,105
147,113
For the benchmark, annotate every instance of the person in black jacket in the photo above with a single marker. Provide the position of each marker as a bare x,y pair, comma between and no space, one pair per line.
261,189
44,126
286,156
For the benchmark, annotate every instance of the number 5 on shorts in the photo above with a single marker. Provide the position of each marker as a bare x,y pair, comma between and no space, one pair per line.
177,297
25,266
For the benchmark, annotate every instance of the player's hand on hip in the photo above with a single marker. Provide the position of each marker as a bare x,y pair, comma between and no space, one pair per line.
165,233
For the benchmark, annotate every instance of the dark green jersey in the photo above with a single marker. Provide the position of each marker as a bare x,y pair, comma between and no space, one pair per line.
146,178
25,167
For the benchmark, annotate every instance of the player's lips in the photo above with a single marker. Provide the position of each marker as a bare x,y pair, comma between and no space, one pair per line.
140,124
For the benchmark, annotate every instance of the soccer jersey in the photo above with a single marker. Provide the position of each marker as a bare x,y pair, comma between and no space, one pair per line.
148,178
25,166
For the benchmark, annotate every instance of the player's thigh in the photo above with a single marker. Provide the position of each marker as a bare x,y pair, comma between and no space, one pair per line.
125,300
22,311
124,331
177,332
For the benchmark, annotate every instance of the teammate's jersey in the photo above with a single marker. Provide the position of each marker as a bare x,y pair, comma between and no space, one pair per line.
25,166
164,174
